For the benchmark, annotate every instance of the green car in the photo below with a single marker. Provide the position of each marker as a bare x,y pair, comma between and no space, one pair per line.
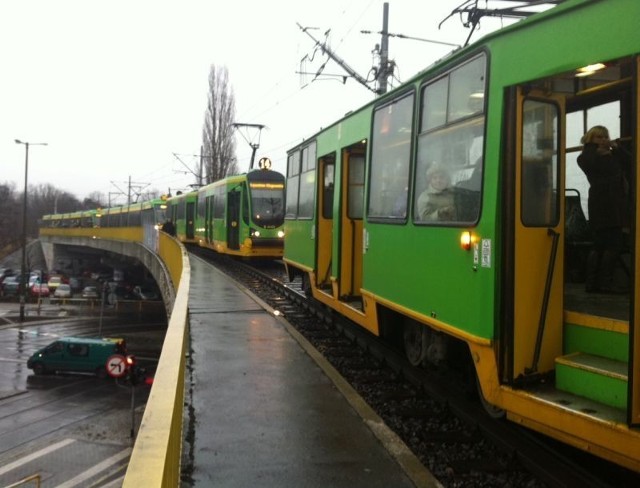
79,354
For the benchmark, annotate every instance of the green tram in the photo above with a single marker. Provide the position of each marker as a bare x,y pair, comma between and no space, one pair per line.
240,215
138,222
181,212
494,281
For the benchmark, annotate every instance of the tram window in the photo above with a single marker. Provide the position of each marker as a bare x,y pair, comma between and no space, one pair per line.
457,152
577,124
449,162
436,114
201,207
306,193
245,204
539,187
458,95
293,184
466,90
356,186
135,219
267,203
218,202
292,197
328,188
391,160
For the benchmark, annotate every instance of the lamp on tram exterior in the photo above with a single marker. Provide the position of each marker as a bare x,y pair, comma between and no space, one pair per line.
23,268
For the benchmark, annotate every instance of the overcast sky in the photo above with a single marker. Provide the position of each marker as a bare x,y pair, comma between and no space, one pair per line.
116,88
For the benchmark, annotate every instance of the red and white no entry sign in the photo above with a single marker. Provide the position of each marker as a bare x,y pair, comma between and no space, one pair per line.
116,366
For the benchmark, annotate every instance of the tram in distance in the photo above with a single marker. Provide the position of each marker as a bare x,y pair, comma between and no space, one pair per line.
138,222
488,276
240,215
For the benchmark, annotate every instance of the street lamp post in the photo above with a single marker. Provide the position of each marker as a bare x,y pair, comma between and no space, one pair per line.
23,270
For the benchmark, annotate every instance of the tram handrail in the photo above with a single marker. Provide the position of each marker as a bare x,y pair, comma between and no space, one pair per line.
156,456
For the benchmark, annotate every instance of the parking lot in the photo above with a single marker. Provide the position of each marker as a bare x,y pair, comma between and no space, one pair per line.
69,428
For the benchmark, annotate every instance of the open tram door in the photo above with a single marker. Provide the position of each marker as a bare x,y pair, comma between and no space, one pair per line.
351,224
533,331
634,326
324,251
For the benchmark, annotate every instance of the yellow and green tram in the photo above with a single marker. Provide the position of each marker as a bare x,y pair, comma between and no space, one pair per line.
181,213
240,215
138,222
494,281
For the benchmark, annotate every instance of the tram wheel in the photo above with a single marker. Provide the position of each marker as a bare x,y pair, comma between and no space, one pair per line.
493,411
415,341
306,285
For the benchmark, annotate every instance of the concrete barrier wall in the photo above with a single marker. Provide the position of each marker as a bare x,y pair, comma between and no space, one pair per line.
156,457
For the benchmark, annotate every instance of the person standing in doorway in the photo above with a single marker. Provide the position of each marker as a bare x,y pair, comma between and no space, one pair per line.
606,166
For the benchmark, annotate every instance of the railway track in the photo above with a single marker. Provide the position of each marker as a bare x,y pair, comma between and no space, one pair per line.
443,426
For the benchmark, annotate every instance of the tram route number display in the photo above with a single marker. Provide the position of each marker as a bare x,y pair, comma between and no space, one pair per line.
116,366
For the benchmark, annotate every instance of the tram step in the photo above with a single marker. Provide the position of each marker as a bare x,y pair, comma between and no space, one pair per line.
595,377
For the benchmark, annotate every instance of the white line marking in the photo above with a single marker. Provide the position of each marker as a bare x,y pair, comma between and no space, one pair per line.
35,455
115,483
96,469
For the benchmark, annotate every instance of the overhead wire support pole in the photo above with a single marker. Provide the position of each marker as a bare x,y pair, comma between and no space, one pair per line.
326,49
383,70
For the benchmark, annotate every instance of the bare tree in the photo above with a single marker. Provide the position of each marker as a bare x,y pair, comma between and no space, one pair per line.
218,142
46,199
10,212
94,200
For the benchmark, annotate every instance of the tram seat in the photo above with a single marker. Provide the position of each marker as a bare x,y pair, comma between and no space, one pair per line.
467,203
467,196
578,238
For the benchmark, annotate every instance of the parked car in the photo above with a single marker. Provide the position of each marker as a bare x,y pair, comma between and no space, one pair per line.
11,286
76,284
54,282
63,291
90,292
76,354
39,290
4,272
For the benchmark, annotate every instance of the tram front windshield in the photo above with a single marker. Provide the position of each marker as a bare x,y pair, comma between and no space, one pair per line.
267,203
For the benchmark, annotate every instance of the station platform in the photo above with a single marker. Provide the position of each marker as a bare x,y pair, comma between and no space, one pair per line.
264,409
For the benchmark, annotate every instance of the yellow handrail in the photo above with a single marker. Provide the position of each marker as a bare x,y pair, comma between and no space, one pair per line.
155,460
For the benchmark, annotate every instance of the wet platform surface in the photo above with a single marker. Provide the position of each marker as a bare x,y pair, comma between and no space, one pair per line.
264,412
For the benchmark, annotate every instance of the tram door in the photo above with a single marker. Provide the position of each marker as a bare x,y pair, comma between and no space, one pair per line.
326,184
189,220
351,211
634,329
538,234
208,222
233,219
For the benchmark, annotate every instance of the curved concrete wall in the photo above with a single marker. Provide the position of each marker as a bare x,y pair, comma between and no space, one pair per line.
147,257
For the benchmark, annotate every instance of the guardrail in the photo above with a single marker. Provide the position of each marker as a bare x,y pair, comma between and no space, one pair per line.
155,460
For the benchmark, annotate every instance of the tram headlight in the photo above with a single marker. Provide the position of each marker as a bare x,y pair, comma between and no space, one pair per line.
467,239
255,233
281,234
